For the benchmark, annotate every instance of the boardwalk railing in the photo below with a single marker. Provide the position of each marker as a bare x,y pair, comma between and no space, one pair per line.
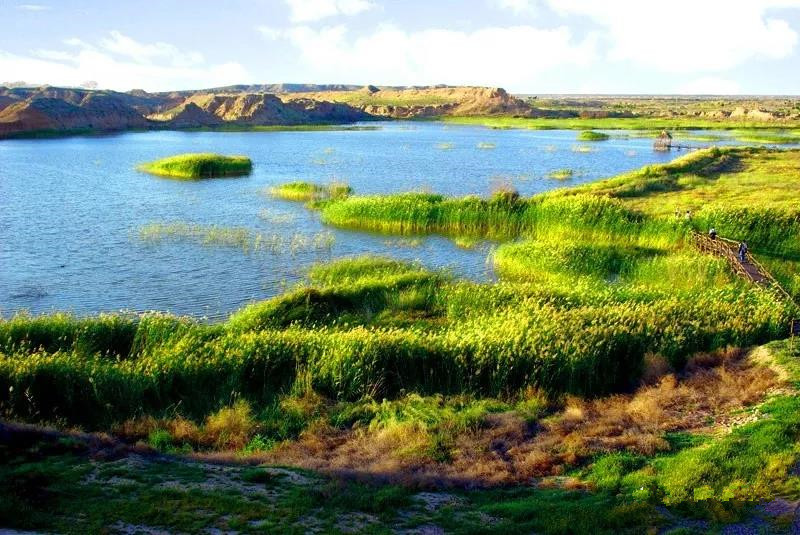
750,269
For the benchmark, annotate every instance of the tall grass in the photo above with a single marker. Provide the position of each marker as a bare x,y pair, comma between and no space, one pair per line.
306,191
561,174
763,227
588,288
544,259
249,241
344,338
591,135
503,215
199,165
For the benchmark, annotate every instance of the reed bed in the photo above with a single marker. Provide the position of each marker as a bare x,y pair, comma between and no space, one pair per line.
248,240
307,191
589,289
769,139
341,337
504,215
199,165
275,218
583,149
561,174
591,135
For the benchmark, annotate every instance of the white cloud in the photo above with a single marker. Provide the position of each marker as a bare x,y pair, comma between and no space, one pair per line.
311,10
517,6
270,33
514,56
33,7
710,85
120,62
148,53
689,36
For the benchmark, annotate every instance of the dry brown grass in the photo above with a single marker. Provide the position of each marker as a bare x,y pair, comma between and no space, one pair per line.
230,428
507,448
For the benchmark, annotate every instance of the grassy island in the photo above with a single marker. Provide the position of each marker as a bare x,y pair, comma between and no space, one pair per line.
199,165
561,174
591,135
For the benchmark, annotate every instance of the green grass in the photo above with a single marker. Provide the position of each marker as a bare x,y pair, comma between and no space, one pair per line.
594,281
503,215
609,123
746,193
589,135
374,327
718,478
199,165
771,139
543,259
561,174
306,191
56,485
243,238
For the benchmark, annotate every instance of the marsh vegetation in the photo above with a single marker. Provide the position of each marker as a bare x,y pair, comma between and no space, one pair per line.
610,356
561,174
306,191
591,135
199,165
243,238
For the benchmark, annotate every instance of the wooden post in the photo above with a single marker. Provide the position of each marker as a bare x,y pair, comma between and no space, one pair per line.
794,330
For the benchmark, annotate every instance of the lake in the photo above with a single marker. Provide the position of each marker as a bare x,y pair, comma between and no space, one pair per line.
72,210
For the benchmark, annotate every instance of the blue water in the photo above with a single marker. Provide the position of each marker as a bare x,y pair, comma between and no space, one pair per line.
71,208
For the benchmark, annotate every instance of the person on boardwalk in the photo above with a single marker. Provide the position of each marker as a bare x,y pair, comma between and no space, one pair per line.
712,233
743,252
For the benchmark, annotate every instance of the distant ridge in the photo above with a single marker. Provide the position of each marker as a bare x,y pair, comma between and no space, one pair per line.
53,110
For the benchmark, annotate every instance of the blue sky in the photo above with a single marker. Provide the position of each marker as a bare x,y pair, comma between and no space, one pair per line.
526,46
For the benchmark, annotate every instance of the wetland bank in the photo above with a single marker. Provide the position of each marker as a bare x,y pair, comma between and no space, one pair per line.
90,258
551,338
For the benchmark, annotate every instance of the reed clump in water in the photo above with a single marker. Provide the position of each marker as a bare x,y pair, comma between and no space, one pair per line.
307,191
591,135
561,174
505,214
199,165
248,240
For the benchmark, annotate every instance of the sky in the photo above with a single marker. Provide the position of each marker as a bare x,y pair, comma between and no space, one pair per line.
525,46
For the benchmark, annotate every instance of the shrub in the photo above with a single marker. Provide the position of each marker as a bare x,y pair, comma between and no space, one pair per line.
231,427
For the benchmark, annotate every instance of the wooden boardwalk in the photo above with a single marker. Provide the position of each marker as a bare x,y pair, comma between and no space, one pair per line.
749,268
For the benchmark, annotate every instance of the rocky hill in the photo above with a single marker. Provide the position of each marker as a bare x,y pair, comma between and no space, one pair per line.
46,109
411,102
